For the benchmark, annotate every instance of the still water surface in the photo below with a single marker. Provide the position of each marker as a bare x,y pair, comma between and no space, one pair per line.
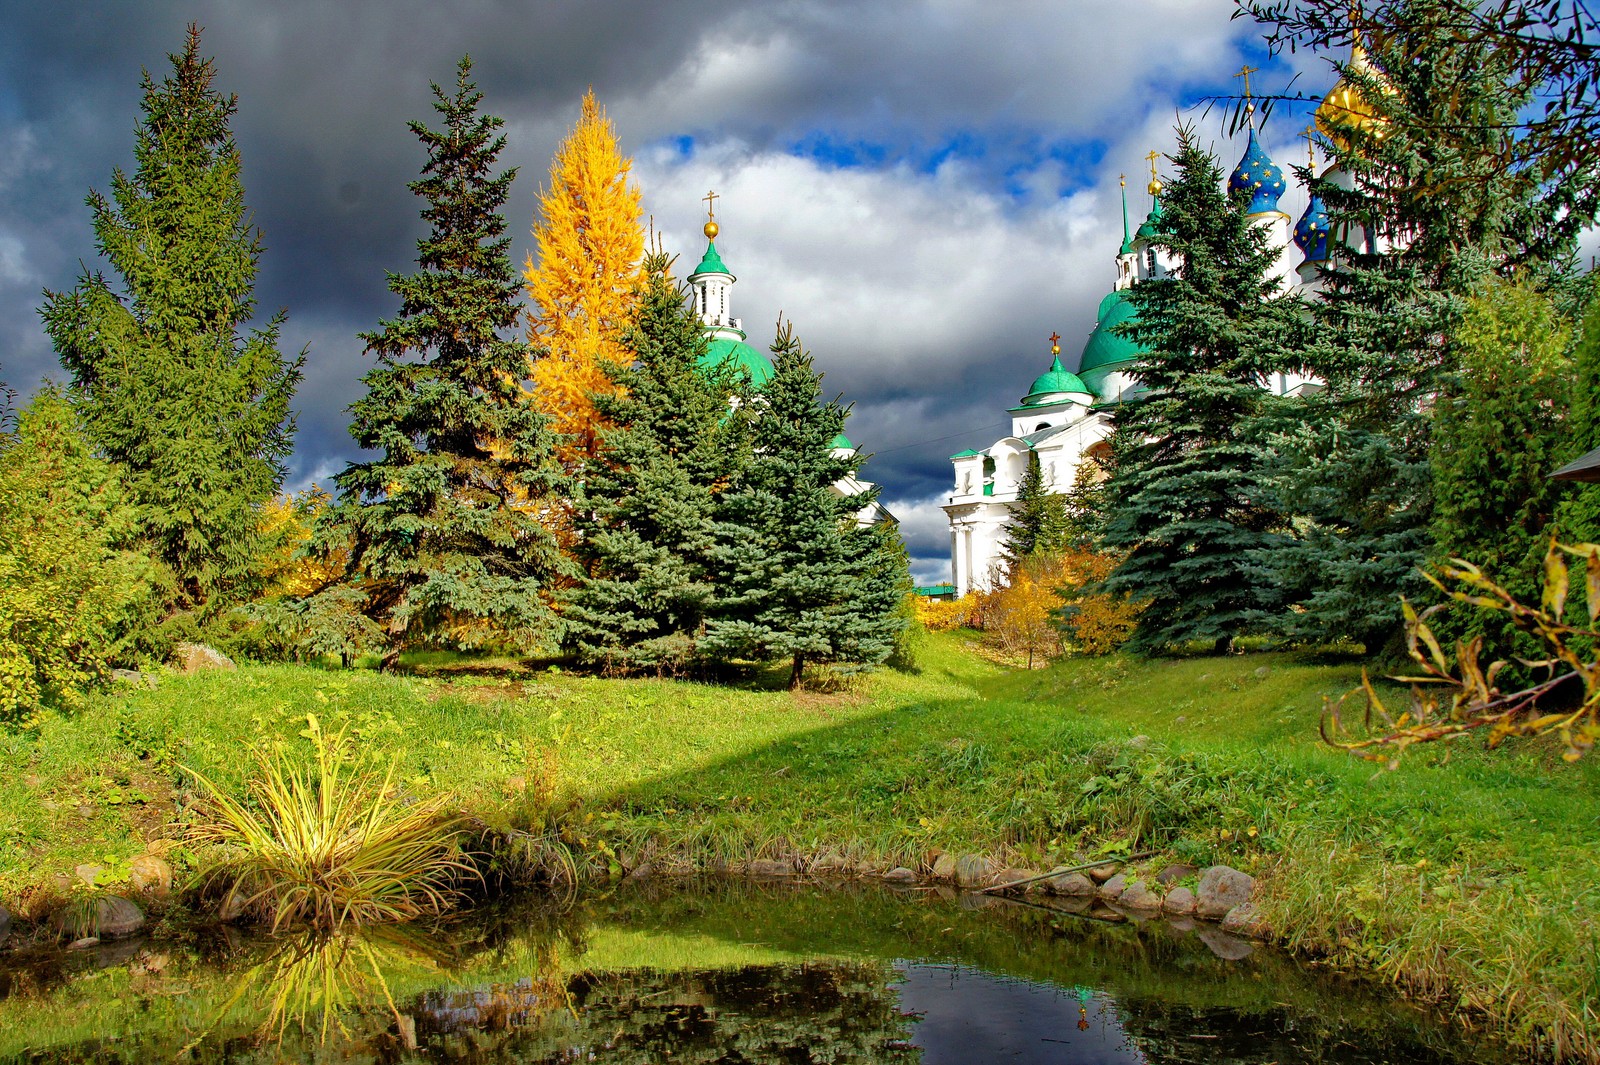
721,972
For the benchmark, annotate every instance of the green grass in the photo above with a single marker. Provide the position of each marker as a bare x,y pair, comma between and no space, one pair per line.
1468,877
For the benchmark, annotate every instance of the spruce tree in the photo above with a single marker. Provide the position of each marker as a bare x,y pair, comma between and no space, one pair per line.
1186,495
644,514
76,585
1039,523
1439,200
443,527
174,387
797,576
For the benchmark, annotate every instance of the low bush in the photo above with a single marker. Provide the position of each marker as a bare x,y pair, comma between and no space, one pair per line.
331,844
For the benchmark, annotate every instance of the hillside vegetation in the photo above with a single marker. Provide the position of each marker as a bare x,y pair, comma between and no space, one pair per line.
1465,876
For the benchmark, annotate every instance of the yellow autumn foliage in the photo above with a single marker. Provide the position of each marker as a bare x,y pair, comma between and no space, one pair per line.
942,615
1095,623
585,283
1047,605
1017,618
286,523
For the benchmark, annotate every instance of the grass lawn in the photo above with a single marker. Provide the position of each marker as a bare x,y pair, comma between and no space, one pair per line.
1466,876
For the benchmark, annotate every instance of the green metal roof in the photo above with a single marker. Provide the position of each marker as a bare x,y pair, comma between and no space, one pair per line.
1152,223
711,262
1106,347
742,356
967,454
842,441
1054,381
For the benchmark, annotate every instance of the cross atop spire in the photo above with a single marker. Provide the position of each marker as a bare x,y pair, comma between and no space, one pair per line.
1245,72
1155,180
711,229
1055,343
1311,145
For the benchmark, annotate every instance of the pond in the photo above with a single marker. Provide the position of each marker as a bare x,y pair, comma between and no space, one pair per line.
718,971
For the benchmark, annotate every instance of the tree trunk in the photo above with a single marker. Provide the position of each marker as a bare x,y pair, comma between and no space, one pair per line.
1223,646
797,671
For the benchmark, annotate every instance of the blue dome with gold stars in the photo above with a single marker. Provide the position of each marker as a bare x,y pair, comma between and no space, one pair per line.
1258,176
1311,232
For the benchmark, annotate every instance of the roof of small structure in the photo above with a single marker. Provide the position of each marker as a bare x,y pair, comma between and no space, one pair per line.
1585,467
711,262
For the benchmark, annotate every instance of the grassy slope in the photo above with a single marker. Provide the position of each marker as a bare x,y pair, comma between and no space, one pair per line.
1473,878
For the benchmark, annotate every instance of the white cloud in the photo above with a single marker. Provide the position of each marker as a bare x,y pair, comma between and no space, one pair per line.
926,531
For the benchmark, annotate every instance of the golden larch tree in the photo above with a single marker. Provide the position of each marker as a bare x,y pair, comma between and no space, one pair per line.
586,281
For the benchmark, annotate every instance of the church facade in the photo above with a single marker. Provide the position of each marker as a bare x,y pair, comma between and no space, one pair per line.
1064,418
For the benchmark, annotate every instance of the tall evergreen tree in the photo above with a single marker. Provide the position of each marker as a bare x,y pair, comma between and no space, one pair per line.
1441,198
1039,523
174,388
798,577
443,526
645,511
586,283
1186,496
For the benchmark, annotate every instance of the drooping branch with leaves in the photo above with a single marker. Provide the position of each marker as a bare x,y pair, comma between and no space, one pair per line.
1446,701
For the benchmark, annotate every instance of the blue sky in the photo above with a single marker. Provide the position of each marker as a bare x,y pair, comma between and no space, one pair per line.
928,190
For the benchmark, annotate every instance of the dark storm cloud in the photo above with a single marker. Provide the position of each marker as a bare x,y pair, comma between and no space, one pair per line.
979,116
325,91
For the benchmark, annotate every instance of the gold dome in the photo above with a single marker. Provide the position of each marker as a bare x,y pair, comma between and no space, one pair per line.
1345,109
711,229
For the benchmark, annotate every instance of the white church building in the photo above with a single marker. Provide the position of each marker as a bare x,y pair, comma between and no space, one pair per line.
1064,418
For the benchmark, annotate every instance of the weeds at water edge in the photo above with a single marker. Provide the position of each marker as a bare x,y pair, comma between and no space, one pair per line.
329,844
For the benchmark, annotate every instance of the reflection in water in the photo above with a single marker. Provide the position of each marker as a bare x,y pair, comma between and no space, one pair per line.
720,972
967,1015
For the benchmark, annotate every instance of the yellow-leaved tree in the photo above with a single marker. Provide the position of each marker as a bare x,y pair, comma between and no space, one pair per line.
586,281
286,524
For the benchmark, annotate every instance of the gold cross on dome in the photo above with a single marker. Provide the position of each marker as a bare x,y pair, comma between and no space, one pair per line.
1151,158
1055,343
711,204
1245,72
1311,145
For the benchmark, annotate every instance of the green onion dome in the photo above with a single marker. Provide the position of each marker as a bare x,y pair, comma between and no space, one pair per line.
1054,385
742,356
1152,223
1107,349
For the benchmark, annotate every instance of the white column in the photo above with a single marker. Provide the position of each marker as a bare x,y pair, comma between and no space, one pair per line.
958,561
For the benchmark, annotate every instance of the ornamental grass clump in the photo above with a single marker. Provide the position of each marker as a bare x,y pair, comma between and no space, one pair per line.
330,844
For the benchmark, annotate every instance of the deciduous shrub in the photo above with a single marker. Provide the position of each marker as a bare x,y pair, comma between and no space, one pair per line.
74,583
941,615
1096,622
